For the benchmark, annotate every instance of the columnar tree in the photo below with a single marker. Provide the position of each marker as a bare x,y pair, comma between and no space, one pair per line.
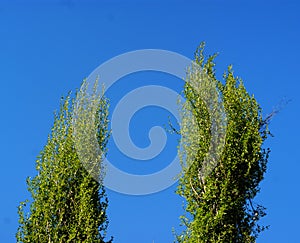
221,175
68,204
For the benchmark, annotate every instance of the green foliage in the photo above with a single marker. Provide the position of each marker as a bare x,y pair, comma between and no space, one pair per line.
68,204
219,203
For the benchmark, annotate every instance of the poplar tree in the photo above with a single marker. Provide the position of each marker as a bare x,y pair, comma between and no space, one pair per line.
67,203
221,174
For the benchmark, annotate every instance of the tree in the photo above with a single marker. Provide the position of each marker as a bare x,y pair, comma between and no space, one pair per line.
221,174
68,204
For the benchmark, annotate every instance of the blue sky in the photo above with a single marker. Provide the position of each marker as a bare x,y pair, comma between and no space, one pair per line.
48,47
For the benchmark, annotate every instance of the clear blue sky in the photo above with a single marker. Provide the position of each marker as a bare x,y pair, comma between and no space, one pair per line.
48,48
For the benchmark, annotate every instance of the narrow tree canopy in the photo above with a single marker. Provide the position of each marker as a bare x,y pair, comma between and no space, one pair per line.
221,175
68,204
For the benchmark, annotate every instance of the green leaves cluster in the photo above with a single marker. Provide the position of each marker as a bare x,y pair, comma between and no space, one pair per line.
68,204
219,204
